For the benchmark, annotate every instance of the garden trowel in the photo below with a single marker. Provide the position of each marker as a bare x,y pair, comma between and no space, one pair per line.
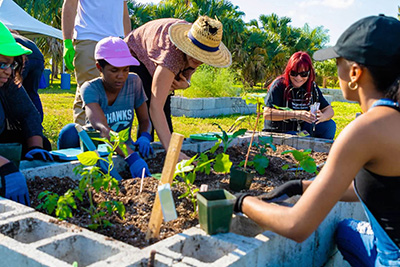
91,147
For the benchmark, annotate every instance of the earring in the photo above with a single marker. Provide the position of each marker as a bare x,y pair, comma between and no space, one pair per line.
353,85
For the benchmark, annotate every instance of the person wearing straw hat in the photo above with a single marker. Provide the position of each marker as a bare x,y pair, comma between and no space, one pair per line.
19,119
363,163
169,51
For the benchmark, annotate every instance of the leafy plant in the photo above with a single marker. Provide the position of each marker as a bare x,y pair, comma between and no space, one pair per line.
257,99
222,161
187,171
93,178
260,162
304,161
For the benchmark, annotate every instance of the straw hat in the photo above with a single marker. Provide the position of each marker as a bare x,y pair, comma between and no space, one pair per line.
202,41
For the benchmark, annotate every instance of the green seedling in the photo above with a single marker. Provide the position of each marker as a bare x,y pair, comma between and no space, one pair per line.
303,159
92,179
222,162
186,170
260,161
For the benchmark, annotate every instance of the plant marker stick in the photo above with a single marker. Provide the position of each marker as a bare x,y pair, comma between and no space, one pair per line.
141,182
167,176
91,147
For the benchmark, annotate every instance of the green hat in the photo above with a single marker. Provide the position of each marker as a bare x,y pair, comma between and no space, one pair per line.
8,46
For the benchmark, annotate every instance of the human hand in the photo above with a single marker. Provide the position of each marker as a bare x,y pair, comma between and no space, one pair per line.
321,117
136,165
183,156
39,153
143,143
305,116
69,54
288,189
239,201
14,184
182,83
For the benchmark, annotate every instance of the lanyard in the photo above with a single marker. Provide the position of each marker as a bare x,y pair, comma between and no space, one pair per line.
386,102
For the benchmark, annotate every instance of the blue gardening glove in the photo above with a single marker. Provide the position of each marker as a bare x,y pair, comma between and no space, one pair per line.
13,184
136,165
143,143
39,153
69,54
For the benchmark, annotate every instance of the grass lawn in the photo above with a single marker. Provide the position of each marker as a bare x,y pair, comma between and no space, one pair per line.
57,106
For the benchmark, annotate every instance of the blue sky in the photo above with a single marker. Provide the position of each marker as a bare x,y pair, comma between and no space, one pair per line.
333,15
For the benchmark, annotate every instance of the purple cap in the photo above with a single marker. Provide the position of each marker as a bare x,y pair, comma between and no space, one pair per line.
115,51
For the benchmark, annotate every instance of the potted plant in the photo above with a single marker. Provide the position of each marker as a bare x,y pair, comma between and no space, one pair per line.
215,210
240,178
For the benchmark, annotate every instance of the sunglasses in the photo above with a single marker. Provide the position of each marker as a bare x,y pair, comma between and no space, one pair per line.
5,66
302,73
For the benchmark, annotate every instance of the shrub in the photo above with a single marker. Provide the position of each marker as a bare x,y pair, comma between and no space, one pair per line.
208,81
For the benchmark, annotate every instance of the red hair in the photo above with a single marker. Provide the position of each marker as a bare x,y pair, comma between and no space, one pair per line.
299,60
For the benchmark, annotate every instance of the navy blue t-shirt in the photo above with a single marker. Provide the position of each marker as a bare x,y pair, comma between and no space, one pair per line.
298,99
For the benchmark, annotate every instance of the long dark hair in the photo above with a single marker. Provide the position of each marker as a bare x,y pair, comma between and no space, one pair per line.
386,81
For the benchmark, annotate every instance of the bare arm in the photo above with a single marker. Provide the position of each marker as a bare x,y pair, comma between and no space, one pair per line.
273,114
35,140
68,15
348,196
127,20
325,114
143,118
99,122
162,81
349,153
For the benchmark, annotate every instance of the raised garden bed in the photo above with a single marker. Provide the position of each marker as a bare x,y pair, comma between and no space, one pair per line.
138,206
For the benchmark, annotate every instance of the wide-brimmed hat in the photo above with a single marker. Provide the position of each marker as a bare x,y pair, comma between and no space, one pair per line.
371,41
115,51
8,46
202,40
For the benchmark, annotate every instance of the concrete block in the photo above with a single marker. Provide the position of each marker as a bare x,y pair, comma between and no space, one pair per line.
10,209
192,103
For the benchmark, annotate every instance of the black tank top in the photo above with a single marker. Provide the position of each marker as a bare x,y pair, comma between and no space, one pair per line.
381,195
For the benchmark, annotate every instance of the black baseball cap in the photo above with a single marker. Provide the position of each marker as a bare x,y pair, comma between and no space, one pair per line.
371,41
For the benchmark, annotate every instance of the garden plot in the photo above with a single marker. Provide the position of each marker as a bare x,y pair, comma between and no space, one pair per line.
138,205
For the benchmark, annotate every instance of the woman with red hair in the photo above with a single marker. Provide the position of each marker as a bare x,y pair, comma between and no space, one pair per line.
295,103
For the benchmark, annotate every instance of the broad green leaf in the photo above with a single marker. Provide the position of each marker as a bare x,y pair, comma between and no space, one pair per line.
222,163
238,132
309,165
88,158
260,163
124,135
285,167
215,147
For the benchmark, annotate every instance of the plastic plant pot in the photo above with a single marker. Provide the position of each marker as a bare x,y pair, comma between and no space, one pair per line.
215,211
12,152
92,134
240,179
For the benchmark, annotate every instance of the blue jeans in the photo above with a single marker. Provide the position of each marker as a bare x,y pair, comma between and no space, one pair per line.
326,129
68,137
358,245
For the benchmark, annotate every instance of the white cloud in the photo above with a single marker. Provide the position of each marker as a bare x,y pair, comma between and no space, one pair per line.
327,3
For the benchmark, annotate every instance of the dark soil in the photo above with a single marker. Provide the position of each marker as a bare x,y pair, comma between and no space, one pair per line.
138,206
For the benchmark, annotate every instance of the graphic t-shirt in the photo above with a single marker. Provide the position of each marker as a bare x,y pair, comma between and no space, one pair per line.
298,99
120,114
